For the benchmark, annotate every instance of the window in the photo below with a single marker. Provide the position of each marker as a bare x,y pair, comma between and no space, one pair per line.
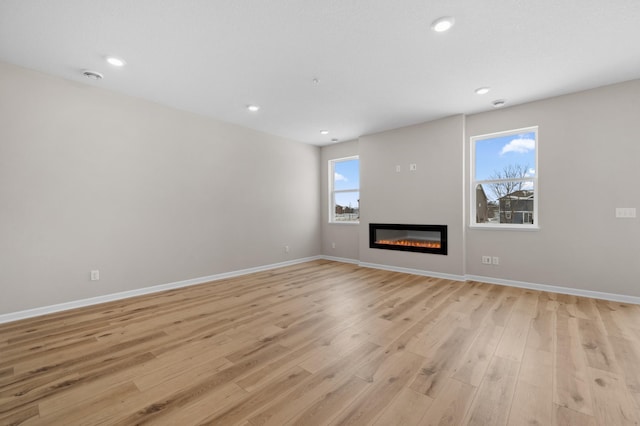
344,190
505,177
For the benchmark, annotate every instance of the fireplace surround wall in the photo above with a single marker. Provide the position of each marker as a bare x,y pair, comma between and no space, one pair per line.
416,238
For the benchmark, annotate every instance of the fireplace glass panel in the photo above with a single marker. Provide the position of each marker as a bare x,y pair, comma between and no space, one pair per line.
417,238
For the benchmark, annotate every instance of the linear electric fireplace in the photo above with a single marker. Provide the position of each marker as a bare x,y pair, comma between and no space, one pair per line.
419,238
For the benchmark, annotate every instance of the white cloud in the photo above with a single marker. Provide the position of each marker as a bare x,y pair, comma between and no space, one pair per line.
338,177
530,173
527,186
519,145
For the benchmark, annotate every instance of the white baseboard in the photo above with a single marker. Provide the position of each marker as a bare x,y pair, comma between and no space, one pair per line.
557,289
413,271
35,312
29,313
499,281
341,259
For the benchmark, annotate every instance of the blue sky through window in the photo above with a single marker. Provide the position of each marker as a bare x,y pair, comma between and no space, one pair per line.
494,153
347,176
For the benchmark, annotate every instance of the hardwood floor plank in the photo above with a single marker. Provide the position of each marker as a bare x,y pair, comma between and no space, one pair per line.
596,346
563,416
628,355
493,398
324,410
20,416
58,413
516,332
571,378
393,375
408,409
451,406
315,388
542,330
279,388
613,404
440,363
532,401
473,365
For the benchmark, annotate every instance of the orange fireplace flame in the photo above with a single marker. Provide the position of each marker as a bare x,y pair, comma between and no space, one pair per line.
411,243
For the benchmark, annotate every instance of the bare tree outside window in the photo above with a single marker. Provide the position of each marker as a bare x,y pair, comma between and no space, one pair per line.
507,176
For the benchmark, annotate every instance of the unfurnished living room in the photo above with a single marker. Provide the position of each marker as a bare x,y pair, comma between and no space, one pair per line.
319,212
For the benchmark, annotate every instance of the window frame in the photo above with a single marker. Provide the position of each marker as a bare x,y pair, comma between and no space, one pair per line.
474,183
332,192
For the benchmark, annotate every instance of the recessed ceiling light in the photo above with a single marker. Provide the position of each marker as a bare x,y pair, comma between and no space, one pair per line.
442,24
93,75
498,103
324,132
334,140
315,81
116,62
482,90
253,108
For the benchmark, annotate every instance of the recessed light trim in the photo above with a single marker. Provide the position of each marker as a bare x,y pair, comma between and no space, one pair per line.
253,108
482,90
92,75
498,103
324,132
116,62
442,24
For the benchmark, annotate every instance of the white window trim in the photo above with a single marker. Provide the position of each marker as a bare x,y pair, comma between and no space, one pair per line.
332,198
474,183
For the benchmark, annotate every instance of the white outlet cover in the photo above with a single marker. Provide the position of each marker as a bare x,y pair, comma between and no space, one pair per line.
626,212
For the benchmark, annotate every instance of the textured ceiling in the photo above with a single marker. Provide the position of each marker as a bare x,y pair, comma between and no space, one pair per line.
378,63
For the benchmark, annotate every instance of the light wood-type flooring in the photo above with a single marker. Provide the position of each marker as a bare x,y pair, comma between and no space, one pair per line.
327,343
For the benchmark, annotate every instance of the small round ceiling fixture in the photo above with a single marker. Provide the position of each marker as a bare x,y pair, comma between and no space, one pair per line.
116,62
482,90
442,24
253,108
334,140
324,132
93,75
499,103
315,81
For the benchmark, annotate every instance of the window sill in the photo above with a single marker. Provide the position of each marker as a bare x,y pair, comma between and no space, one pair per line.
505,227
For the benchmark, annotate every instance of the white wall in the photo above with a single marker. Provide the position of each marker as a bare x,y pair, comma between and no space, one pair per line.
589,164
430,195
149,195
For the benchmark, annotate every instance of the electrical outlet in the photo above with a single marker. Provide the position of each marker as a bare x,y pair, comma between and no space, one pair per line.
333,245
286,249
398,169
626,212
486,260
495,260
95,275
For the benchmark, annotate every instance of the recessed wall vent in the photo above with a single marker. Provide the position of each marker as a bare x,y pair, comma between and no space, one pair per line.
93,75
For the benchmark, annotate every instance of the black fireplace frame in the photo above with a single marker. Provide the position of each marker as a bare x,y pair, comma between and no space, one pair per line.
442,229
